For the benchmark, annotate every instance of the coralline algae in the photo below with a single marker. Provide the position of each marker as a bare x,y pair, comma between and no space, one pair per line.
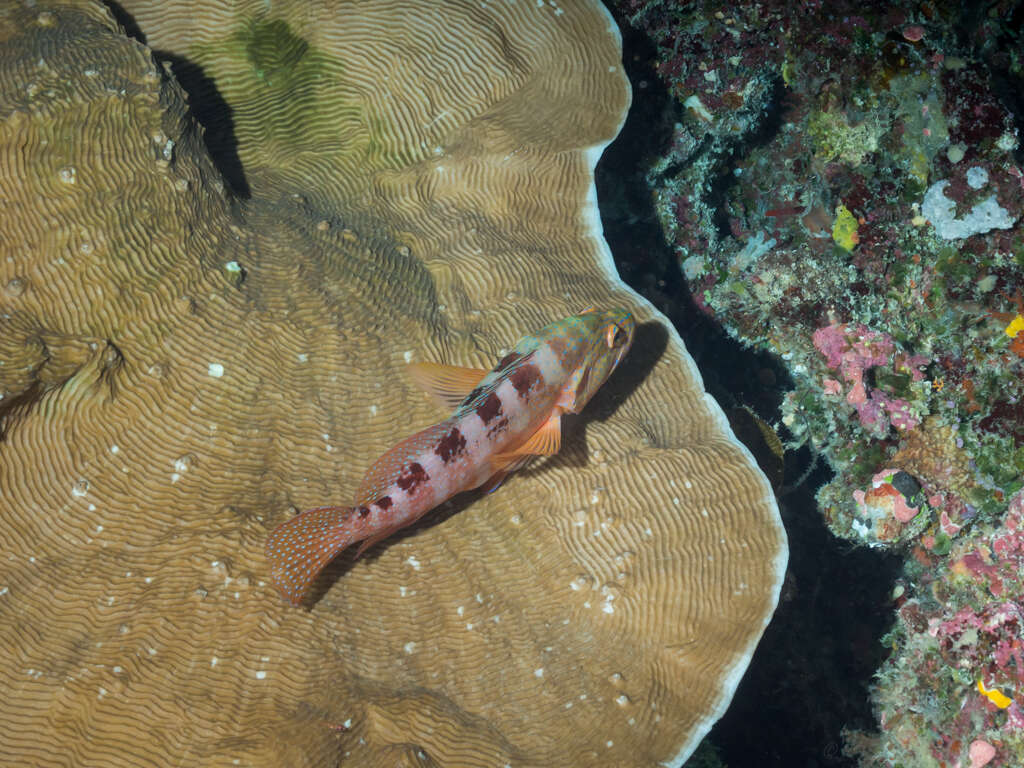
983,217
885,171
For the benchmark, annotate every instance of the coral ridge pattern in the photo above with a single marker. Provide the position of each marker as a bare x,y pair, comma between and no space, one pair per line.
191,352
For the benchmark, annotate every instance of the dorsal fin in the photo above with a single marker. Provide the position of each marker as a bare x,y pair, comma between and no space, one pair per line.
385,471
447,385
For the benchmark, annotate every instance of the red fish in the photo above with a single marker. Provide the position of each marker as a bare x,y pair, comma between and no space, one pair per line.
502,419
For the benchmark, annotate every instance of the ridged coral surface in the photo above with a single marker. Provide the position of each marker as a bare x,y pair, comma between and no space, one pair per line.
183,367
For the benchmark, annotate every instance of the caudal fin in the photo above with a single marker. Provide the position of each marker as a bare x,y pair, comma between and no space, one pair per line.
298,549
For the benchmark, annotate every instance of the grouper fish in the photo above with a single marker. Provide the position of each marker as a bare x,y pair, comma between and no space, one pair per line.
502,418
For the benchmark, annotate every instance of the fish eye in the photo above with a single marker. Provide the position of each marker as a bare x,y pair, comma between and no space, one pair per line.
614,336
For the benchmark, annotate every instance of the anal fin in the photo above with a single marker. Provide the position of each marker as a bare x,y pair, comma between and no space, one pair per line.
379,536
502,469
376,539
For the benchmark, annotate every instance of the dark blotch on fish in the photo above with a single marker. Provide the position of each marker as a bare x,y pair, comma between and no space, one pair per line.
509,360
489,408
451,445
523,379
500,426
412,477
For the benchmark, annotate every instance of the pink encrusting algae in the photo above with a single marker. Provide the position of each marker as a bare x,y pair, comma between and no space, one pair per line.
503,417
856,350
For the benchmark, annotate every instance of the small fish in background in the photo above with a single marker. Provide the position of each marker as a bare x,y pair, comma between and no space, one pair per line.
502,419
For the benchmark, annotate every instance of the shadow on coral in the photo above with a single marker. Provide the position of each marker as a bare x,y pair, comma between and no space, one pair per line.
205,102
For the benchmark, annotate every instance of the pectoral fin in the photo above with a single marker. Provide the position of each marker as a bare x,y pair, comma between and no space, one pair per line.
544,442
447,385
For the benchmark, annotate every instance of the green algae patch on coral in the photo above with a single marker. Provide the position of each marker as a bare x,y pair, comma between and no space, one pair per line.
273,72
274,49
835,138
